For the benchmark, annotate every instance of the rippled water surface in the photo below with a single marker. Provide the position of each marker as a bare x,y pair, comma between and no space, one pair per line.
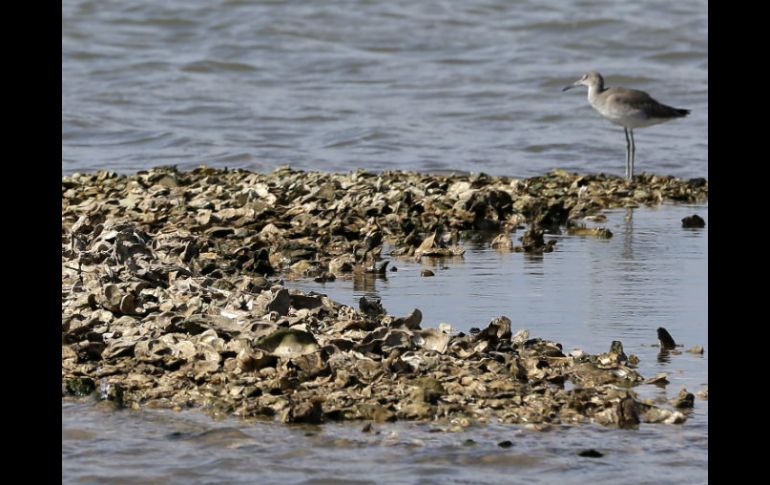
336,85
470,85
587,293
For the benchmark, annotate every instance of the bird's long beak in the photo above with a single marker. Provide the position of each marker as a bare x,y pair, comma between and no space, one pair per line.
571,86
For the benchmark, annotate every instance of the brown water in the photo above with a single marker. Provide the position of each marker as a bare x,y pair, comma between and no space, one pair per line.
585,294
344,84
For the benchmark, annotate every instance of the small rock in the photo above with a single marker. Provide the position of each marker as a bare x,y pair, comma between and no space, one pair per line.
502,242
617,348
427,272
579,230
693,221
628,413
309,412
505,444
288,343
324,277
658,379
112,392
280,302
80,386
520,336
220,231
684,400
591,453
371,306
665,339
411,321
533,241
377,268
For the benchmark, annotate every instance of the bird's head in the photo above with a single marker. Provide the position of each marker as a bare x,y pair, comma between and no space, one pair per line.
589,79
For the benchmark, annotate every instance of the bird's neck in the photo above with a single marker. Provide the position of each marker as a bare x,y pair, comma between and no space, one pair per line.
594,90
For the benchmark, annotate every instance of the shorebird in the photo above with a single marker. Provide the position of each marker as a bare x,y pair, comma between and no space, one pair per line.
628,108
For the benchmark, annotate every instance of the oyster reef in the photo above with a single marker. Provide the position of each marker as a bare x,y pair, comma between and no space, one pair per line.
172,296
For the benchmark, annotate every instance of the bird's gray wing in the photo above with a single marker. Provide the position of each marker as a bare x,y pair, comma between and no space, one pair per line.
635,100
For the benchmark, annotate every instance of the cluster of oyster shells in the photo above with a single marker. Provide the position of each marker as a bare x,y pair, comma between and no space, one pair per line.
171,296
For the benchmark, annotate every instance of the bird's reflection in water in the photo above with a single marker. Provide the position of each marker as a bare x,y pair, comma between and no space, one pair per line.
628,234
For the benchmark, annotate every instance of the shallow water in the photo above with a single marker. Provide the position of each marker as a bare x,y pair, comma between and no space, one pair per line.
435,85
587,293
346,84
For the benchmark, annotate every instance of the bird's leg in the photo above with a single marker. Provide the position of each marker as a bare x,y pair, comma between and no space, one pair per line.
633,153
628,153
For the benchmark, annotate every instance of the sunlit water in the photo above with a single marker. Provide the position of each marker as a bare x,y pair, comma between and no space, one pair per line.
587,293
472,85
342,84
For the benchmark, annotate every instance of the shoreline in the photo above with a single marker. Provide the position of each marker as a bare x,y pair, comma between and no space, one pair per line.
168,299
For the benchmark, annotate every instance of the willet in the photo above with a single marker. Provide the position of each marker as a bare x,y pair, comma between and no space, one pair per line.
628,108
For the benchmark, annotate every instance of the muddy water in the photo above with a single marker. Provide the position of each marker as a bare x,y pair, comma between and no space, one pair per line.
586,294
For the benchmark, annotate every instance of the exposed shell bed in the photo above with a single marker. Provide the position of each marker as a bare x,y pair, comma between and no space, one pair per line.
171,296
